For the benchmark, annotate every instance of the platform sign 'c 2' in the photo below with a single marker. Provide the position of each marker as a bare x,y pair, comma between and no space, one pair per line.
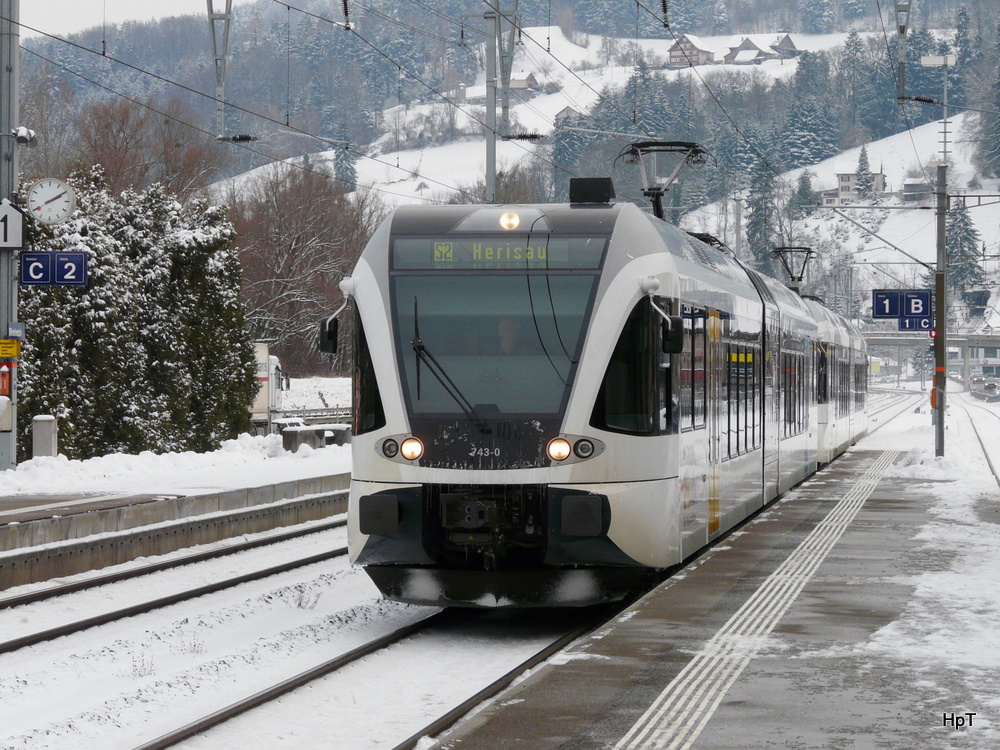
53,269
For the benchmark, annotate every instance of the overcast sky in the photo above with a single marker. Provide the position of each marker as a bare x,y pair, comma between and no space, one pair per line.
61,17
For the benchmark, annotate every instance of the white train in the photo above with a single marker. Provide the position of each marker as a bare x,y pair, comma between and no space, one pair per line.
271,381
554,401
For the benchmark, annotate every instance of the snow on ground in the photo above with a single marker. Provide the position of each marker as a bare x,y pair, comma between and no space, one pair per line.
947,629
244,462
947,634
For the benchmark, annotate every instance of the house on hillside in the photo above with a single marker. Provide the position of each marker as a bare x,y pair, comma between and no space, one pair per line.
523,78
689,51
916,191
754,49
846,191
564,114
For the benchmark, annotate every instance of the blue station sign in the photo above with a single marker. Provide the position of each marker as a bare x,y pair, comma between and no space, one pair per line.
53,269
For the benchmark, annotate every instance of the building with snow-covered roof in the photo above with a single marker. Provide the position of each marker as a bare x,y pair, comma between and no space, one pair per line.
846,191
755,48
689,51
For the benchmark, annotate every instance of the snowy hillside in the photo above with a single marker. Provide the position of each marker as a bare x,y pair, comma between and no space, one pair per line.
908,157
575,73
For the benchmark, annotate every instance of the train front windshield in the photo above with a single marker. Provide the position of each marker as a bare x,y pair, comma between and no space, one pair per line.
492,325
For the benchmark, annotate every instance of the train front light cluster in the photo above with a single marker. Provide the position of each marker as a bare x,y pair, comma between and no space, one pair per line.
565,447
411,449
559,449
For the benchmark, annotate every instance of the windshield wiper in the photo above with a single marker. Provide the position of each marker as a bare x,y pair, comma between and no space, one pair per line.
424,355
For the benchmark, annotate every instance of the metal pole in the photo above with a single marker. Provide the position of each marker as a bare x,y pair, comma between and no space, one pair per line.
902,21
10,54
506,65
940,312
218,22
493,26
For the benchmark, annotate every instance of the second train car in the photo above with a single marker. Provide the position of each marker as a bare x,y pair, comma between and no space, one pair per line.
551,402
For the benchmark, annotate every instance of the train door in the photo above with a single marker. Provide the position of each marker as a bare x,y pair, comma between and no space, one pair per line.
713,371
772,400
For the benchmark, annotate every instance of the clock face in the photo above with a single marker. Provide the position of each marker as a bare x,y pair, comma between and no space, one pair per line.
51,200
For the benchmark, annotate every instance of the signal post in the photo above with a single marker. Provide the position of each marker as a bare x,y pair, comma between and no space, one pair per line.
11,223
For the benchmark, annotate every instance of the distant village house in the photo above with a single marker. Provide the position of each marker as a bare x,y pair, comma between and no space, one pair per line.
689,51
846,191
756,48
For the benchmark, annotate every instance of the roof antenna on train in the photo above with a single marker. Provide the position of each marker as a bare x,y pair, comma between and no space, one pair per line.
794,260
656,157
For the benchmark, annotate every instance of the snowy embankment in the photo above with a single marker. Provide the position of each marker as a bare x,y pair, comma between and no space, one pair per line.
244,462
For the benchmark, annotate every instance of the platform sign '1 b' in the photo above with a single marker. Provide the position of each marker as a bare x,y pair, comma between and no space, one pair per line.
913,308
885,303
916,303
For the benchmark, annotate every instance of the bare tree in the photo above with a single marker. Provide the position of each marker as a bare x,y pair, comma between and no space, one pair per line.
299,235
115,134
48,106
140,143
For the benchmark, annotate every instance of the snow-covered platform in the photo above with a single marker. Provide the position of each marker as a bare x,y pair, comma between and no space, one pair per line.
807,628
43,536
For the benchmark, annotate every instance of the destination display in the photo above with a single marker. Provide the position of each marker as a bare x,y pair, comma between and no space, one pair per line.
498,253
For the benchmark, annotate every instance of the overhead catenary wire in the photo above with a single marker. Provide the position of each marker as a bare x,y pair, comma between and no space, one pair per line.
434,91
252,113
269,157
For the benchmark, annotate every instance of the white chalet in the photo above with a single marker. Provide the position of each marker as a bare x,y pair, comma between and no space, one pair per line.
689,51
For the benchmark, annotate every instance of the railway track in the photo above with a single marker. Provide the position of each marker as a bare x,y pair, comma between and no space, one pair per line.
898,402
437,625
964,404
175,562
149,605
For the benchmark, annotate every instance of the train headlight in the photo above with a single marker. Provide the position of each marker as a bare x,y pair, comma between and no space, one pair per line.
510,220
411,449
583,449
390,448
559,449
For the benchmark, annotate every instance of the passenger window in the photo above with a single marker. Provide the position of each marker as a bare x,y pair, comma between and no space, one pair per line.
368,412
668,405
699,373
627,399
687,373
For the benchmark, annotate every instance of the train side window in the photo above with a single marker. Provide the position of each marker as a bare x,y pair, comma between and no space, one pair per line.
627,399
729,448
687,373
699,373
668,405
785,370
368,412
822,386
756,403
